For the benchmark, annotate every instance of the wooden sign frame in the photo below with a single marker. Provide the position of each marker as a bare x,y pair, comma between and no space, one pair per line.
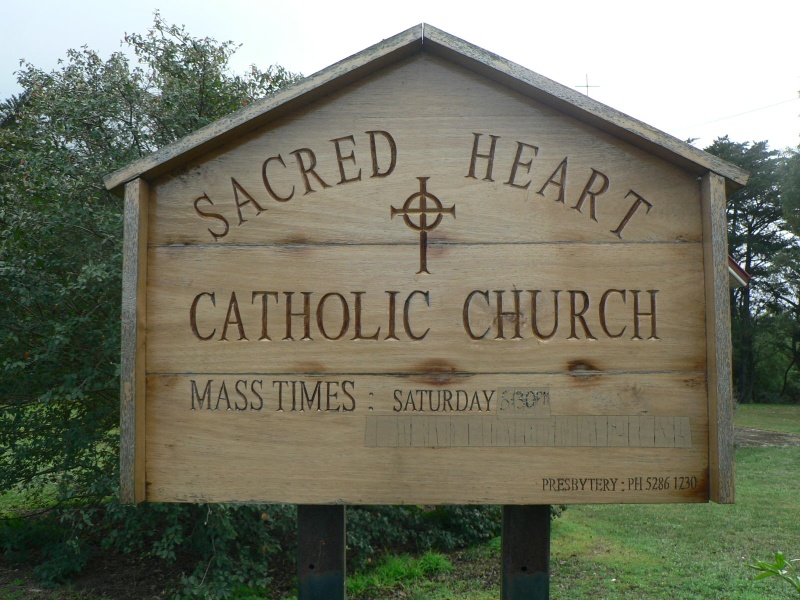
424,50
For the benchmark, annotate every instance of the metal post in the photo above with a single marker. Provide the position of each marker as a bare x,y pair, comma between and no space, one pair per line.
320,552
526,553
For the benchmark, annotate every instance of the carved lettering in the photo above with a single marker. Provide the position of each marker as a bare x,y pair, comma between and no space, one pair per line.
223,393
331,322
233,309
270,190
518,163
314,396
638,313
256,394
345,316
535,315
213,216
603,301
241,395
592,194
237,189
193,316
498,315
359,335
243,388
264,312
340,159
637,203
278,183
441,400
578,315
407,309
308,169
205,398
348,392
511,316
306,314
476,155
392,316
306,400
560,183
376,170
466,314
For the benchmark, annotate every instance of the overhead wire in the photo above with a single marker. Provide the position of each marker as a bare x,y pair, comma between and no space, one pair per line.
747,112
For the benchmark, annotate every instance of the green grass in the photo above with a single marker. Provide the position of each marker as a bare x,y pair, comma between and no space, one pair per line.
637,552
773,417
685,551
656,552
397,571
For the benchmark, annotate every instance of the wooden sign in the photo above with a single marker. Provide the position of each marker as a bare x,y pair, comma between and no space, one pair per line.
426,275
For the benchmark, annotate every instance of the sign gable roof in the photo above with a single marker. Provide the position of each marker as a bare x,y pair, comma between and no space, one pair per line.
425,38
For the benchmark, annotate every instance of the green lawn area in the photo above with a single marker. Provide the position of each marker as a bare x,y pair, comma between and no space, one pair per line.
685,551
652,552
671,551
774,417
636,552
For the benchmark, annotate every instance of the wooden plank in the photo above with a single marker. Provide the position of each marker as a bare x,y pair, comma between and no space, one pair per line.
187,324
431,40
465,296
132,366
391,437
718,340
435,137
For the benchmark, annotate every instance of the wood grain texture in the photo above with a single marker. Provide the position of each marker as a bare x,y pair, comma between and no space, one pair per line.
424,38
132,366
322,456
179,275
434,133
428,288
718,340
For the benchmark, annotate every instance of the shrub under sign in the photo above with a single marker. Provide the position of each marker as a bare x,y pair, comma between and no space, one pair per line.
426,275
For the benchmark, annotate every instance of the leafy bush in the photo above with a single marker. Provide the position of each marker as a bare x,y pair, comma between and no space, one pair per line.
60,291
372,530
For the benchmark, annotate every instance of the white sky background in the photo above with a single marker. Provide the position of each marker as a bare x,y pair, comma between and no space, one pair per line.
700,68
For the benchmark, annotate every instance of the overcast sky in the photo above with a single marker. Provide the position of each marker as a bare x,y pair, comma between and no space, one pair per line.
699,69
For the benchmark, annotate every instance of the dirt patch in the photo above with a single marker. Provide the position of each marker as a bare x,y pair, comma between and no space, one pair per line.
761,438
108,575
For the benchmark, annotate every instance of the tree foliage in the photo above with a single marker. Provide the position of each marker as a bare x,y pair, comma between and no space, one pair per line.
60,257
60,237
763,228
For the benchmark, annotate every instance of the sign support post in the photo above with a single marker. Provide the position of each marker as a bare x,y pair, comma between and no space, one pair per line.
321,563
526,552
321,552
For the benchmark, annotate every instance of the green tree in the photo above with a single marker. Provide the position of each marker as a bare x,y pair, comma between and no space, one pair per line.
790,186
60,254
756,233
784,284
